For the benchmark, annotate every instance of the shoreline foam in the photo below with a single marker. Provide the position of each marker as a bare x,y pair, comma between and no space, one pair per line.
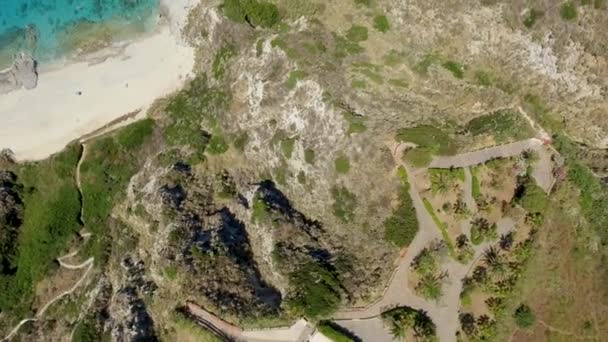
39,122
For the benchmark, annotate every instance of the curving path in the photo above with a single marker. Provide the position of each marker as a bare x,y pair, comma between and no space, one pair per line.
481,156
445,312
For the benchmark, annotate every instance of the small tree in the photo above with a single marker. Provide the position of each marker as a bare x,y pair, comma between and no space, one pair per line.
524,317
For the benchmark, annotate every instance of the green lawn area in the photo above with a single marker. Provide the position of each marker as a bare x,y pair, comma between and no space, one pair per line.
402,226
51,218
504,125
434,139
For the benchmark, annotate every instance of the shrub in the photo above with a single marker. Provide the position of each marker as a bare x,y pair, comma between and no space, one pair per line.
257,13
309,156
357,33
217,144
221,59
342,164
432,138
524,317
345,203
381,23
401,228
135,134
531,16
503,125
294,77
333,333
355,123
568,11
455,68
532,197
287,146
315,291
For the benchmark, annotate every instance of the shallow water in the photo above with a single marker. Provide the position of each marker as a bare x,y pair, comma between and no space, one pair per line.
50,29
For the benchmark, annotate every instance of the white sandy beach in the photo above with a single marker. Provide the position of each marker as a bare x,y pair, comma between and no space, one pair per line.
39,122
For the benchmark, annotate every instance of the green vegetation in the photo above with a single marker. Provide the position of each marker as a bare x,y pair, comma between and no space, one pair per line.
201,334
524,317
333,333
487,79
294,77
217,144
432,138
475,186
443,180
367,3
357,33
342,164
355,123
568,11
423,66
50,218
221,59
426,265
86,331
345,203
345,47
254,12
504,126
135,135
482,230
105,173
372,75
402,226
532,197
418,157
441,225
315,291
287,146
260,211
381,23
543,116
531,16
198,103
309,156
358,84
398,83
405,320
455,68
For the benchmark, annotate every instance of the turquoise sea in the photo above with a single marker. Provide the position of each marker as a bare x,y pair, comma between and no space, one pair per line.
50,29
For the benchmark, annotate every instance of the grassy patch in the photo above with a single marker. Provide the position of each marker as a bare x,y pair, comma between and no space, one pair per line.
475,186
309,156
531,197
524,317
355,123
287,146
381,23
568,11
487,79
344,47
442,227
221,59
358,84
50,218
402,226
333,333
531,16
432,138
455,68
372,75
345,203
105,173
399,83
422,67
256,13
342,164
503,125
357,33
541,113
197,104
418,157
366,3
183,323
443,180
294,77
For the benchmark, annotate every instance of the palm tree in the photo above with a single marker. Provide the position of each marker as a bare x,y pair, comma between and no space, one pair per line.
494,260
398,331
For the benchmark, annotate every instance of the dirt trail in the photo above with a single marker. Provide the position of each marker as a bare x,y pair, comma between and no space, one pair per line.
88,263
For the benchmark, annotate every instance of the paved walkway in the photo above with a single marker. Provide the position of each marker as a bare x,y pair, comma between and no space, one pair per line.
481,156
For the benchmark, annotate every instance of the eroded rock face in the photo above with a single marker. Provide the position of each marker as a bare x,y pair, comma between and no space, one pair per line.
23,73
11,216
